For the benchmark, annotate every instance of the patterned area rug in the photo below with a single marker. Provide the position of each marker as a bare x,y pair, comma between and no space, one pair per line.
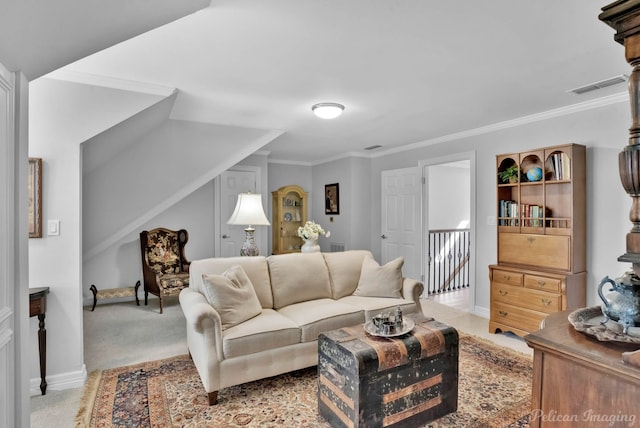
494,390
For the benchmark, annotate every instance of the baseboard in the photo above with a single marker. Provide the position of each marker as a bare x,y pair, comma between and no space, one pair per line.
60,382
481,312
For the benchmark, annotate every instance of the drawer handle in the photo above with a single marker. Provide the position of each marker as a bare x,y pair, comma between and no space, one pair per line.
545,302
541,283
503,313
503,293
506,277
531,239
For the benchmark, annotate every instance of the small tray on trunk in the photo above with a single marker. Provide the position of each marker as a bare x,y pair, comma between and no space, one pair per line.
407,326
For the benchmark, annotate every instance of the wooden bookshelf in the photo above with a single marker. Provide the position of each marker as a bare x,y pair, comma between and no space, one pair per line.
541,233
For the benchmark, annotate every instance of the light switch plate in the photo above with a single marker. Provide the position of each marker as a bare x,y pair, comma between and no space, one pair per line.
491,220
53,227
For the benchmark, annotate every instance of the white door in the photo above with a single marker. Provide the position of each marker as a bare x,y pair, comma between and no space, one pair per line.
232,183
11,396
401,233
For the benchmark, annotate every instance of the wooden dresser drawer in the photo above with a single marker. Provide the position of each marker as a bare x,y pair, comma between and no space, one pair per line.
526,298
507,277
521,318
543,251
542,283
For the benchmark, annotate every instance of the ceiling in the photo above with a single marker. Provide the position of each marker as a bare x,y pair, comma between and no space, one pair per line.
408,71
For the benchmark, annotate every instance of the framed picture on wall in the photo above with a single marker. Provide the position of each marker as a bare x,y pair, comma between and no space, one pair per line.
331,199
35,197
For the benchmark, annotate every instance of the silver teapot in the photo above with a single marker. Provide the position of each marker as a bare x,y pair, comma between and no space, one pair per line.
623,304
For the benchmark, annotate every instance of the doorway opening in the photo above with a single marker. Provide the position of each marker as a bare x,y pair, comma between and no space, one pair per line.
449,212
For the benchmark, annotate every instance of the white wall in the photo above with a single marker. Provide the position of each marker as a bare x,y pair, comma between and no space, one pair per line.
603,130
55,261
350,227
449,200
121,265
163,166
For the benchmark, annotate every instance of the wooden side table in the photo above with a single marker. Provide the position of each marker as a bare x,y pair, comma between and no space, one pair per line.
38,307
580,381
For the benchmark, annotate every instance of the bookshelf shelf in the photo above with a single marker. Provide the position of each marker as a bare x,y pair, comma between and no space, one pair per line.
541,237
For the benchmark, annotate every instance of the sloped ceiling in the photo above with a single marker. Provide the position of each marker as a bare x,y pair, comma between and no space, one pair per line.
410,71
37,37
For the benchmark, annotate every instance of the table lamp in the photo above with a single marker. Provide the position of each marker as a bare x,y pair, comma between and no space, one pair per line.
249,212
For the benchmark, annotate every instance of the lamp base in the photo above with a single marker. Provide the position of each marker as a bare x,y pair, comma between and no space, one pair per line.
249,247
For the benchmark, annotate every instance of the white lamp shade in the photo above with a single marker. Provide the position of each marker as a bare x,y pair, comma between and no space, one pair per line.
327,110
249,211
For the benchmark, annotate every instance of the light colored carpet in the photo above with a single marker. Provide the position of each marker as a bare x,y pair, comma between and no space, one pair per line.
122,334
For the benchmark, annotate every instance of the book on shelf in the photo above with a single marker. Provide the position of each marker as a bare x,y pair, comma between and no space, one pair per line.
508,213
561,166
532,215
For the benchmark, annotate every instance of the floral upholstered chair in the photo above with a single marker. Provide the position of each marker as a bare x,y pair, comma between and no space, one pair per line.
165,269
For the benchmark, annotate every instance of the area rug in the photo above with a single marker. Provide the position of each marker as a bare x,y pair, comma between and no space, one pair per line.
494,390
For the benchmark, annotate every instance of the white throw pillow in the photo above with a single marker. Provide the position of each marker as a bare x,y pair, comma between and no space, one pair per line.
232,295
380,281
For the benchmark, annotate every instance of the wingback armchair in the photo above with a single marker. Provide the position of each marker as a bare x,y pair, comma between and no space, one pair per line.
165,269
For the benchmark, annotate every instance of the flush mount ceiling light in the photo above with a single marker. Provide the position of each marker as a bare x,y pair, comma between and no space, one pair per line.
327,110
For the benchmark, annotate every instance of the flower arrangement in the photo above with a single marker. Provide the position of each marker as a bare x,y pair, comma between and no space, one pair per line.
312,230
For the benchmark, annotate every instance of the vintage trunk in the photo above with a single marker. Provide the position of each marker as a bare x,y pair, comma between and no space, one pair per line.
366,381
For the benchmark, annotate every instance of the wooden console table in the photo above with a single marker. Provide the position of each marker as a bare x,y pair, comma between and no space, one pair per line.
38,307
580,381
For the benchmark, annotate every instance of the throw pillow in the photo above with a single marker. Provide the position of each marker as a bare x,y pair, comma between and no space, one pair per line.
380,281
232,295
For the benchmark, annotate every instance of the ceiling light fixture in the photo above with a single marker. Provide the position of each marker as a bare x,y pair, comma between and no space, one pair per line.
327,110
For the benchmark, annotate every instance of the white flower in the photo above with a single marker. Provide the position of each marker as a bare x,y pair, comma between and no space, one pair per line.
312,230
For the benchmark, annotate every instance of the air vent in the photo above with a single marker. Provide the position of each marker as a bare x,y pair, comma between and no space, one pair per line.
337,247
599,85
375,146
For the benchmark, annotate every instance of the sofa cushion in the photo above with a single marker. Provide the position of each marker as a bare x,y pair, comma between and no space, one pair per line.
269,330
232,295
376,305
173,282
298,277
380,281
317,316
255,267
344,270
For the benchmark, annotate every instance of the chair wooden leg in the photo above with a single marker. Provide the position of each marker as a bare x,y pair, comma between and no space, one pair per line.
213,398
94,290
137,286
160,298
146,297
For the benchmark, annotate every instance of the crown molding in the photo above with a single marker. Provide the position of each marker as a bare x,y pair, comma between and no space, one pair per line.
546,115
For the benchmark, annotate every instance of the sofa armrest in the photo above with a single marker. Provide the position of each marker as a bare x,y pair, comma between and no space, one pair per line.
412,289
203,322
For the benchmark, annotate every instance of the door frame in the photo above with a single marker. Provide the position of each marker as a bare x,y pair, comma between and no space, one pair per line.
14,285
424,164
260,233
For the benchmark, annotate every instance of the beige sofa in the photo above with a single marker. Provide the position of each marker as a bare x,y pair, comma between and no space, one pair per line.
299,295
